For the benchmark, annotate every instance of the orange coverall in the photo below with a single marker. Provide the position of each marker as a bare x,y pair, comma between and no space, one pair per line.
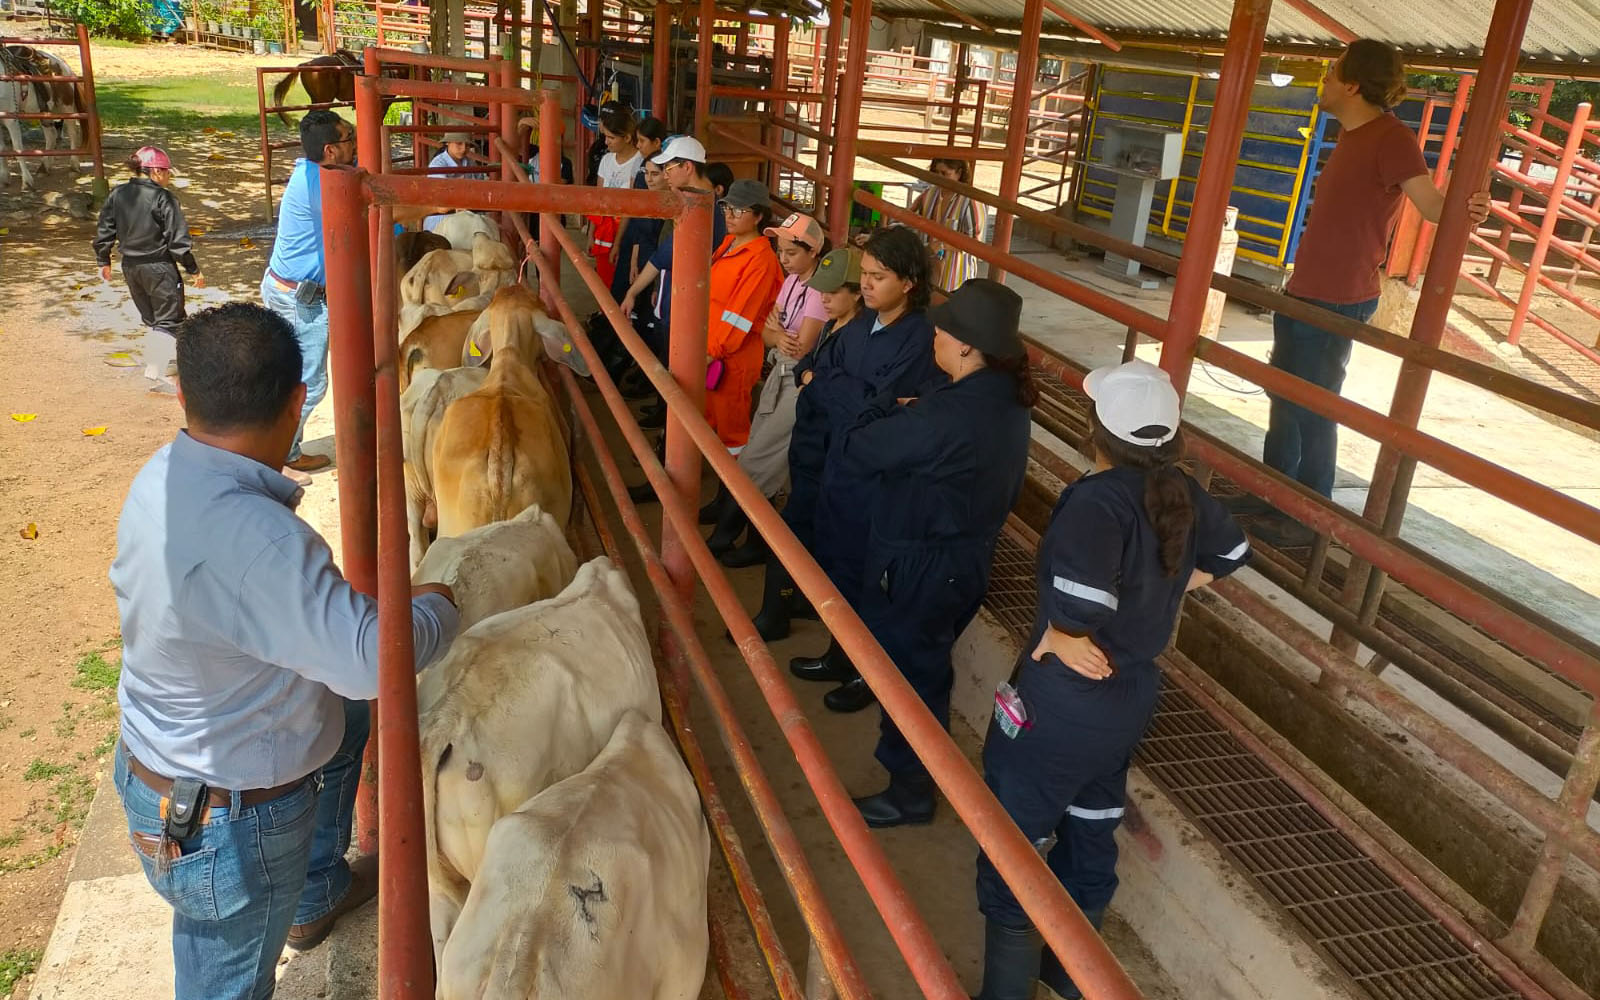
744,288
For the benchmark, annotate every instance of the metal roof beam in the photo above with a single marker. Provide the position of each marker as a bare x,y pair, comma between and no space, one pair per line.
961,15
1077,22
1323,20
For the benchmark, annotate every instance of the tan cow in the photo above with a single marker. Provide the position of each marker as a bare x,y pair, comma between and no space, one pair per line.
525,699
504,446
595,889
446,276
437,342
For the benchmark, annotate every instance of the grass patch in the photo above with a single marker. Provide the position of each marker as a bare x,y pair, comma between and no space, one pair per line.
66,727
28,862
107,744
15,964
224,101
72,797
95,674
27,734
43,770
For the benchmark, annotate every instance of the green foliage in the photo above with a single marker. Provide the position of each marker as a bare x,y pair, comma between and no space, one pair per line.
41,770
129,19
95,674
15,964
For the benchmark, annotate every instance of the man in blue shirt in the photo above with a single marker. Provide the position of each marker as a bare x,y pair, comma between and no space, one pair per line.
293,286
246,669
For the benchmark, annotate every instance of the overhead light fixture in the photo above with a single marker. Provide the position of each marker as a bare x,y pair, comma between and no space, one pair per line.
1281,79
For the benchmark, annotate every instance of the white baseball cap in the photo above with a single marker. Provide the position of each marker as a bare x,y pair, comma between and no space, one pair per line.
1136,402
681,147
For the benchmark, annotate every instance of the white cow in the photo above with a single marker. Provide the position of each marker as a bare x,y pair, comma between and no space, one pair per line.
447,277
526,698
460,227
501,566
595,889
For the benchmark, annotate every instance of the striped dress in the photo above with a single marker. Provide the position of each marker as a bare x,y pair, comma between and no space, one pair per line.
951,267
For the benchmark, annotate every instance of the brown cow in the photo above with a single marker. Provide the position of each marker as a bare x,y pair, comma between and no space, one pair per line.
505,446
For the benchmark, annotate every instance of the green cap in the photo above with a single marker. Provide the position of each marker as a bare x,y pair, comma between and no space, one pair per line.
839,267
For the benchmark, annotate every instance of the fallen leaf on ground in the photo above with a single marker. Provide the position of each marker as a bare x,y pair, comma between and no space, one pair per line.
225,135
197,232
23,418
94,431
5,231
247,243
209,129
216,156
121,359
31,531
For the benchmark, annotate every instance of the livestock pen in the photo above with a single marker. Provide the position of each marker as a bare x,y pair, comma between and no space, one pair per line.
1349,574
358,205
88,114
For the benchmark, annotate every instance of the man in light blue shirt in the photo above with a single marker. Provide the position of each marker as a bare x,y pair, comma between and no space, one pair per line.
293,286
247,665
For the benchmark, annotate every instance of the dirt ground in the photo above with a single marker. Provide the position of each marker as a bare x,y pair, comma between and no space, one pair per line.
69,350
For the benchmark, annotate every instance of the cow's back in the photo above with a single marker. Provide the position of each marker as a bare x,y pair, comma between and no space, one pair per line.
502,566
527,698
499,450
595,888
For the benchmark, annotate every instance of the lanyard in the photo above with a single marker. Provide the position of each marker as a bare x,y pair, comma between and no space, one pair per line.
786,310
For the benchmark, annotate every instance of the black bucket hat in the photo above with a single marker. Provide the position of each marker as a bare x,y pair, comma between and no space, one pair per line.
985,314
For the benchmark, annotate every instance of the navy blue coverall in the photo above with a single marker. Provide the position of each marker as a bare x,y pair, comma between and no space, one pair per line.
854,369
813,434
1099,574
944,471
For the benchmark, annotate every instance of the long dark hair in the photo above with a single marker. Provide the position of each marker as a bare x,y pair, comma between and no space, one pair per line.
898,249
957,165
1020,372
1166,489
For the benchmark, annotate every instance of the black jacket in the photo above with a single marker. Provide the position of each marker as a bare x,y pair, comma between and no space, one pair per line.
145,218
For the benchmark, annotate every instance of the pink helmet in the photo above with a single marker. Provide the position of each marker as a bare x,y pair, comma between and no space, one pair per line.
153,158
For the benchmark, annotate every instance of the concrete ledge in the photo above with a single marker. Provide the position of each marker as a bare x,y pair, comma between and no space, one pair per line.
1198,915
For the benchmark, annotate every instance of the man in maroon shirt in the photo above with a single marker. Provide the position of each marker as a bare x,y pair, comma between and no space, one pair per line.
1375,163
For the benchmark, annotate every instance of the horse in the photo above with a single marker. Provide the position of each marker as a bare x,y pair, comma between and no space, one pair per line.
17,97
61,96
326,78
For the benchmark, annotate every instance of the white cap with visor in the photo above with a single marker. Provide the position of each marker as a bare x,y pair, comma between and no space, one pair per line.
1136,402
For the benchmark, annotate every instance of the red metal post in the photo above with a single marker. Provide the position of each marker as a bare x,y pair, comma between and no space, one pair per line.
780,83
691,309
1441,172
830,96
702,69
1323,20
550,173
1246,35
1480,145
91,125
511,76
1083,26
369,144
405,951
848,122
1017,126
660,63
1547,226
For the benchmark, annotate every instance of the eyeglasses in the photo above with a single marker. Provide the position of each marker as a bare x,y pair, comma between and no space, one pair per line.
734,211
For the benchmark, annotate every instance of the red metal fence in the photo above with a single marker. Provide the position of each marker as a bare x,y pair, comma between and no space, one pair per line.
87,115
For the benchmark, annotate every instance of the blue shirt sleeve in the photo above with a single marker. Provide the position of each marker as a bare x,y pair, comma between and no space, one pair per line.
662,258
1081,563
297,254
1220,544
295,610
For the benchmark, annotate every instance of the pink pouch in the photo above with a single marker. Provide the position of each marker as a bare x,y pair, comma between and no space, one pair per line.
714,373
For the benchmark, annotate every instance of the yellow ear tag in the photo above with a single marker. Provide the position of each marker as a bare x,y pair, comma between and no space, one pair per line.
566,348
472,348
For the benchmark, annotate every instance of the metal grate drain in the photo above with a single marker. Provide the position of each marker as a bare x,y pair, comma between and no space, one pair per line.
1342,901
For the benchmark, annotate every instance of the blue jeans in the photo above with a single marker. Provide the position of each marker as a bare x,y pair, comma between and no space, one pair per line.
250,873
1301,444
311,330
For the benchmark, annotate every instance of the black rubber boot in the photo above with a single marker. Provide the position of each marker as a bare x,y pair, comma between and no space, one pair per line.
851,696
832,665
653,418
908,801
730,523
1010,961
753,551
772,621
1051,972
712,512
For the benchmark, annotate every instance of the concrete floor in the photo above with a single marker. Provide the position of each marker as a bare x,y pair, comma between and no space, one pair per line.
1528,559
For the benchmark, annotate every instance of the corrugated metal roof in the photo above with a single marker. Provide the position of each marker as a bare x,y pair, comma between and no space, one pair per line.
1567,30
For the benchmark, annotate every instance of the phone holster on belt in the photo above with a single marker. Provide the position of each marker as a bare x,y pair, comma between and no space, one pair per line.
185,808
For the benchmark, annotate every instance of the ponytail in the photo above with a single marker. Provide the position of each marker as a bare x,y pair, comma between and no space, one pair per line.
1021,373
1167,501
